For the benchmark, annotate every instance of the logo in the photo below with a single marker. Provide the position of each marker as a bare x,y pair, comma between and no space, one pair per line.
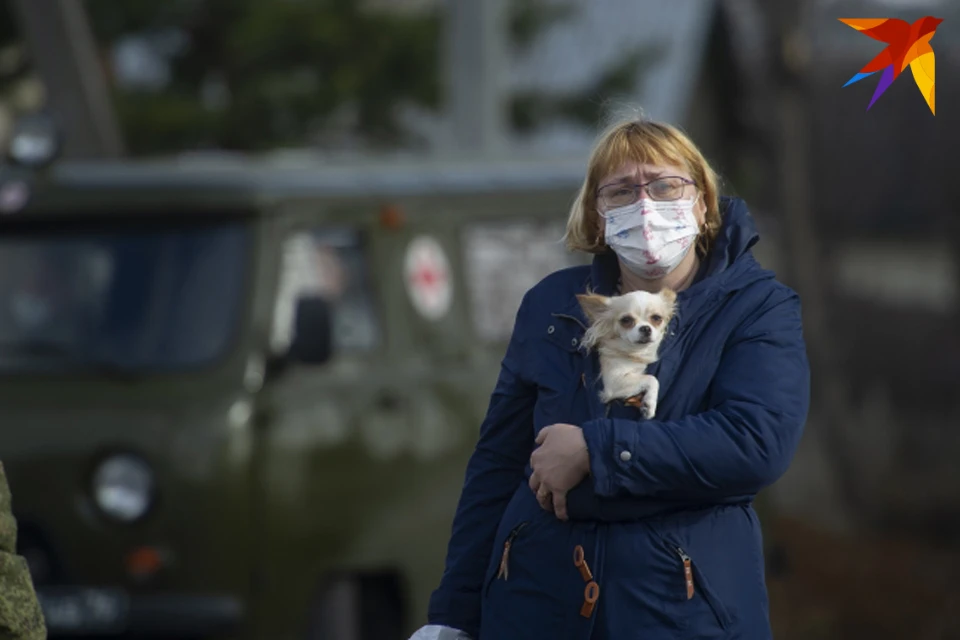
907,44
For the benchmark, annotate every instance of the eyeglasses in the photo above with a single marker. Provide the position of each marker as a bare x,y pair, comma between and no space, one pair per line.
620,194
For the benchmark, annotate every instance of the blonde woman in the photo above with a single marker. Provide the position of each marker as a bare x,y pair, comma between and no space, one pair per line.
579,520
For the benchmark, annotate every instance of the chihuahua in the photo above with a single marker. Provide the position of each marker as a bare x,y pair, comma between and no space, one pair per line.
626,331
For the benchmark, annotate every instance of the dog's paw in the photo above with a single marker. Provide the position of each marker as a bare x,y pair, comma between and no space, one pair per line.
647,399
648,409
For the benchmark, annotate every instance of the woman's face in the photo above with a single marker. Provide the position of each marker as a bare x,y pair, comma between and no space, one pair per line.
637,173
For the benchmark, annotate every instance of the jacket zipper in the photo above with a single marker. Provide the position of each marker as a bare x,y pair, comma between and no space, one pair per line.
505,557
689,582
687,572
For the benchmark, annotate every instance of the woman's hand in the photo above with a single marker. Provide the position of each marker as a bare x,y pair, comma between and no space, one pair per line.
559,464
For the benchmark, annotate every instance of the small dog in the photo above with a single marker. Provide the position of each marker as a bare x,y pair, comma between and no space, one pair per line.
627,331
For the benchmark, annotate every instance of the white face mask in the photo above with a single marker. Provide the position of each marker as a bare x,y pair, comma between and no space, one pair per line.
652,237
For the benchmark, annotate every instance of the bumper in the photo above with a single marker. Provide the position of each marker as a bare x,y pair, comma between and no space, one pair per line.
82,611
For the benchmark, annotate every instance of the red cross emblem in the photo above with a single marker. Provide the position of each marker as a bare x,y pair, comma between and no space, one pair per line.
428,277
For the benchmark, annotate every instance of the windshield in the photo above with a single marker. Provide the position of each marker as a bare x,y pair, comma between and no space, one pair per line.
128,297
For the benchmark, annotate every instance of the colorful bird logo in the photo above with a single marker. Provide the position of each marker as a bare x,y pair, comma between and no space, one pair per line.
907,44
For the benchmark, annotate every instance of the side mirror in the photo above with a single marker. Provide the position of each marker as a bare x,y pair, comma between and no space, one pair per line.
312,331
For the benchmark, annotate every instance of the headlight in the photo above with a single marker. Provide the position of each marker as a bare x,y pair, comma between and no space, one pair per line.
34,142
123,487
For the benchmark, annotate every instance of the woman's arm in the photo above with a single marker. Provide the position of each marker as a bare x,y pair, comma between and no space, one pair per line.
743,443
20,614
495,470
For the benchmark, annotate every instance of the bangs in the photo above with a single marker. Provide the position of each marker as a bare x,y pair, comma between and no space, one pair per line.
635,143
640,142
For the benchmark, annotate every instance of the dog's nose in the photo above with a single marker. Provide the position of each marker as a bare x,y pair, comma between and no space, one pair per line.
645,331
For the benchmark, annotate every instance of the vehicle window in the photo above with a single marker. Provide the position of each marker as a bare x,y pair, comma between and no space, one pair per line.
151,296
331,263
503,260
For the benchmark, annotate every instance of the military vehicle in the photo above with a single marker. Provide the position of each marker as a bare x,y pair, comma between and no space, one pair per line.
238,394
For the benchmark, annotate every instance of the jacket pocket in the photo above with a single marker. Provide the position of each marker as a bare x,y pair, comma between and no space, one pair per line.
559,373
525,594
696,583
501,569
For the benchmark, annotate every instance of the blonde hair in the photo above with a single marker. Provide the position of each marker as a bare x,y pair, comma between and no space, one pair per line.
645,142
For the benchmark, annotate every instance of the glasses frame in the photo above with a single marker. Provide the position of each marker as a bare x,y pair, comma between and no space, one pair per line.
645,186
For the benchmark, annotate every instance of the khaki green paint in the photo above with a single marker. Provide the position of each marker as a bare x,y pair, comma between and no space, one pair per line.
348,466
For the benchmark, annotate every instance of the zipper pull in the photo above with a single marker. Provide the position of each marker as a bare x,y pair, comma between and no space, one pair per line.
687,572
502,573
504,570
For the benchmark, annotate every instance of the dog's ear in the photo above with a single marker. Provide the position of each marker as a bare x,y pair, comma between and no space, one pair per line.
669,295
593,304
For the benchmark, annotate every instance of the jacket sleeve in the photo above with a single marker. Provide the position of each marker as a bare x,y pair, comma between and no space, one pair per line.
493,473
743,442
20,614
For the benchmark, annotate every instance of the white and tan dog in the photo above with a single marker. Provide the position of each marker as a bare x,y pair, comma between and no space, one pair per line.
627,331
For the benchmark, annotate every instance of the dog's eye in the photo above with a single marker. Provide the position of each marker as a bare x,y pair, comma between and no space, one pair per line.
626,322
656,319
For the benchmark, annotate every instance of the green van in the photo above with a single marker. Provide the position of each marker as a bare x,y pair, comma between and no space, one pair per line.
238,395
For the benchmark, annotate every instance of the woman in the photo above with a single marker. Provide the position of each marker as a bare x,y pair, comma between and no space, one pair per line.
660,510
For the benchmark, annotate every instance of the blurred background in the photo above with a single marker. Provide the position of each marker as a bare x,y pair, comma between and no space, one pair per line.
381,132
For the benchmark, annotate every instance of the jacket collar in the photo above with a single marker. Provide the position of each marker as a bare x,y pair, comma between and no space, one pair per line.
729,266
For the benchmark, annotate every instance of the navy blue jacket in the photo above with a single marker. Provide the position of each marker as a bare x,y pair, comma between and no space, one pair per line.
666,498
